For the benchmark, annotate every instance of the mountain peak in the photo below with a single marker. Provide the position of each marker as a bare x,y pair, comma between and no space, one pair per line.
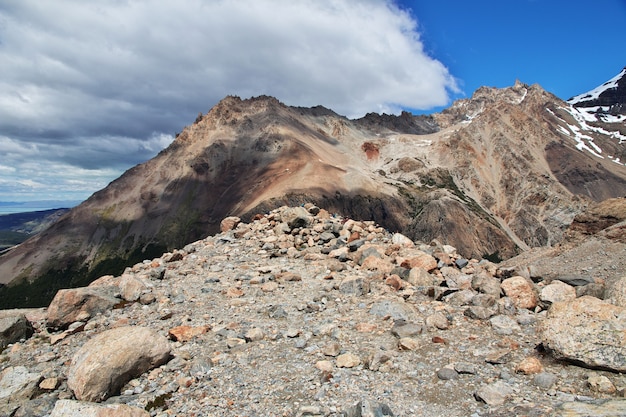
608,98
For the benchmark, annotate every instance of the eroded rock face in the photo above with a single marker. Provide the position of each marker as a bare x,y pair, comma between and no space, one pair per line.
587,330
109,360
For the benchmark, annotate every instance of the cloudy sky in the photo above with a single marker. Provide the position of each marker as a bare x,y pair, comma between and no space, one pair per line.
88,89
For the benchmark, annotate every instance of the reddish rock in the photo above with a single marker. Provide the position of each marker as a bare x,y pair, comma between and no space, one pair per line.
186,333
521,290
529,366
79,304
229,223
421,260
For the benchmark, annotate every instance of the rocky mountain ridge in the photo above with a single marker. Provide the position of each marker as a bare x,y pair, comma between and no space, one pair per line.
494,175
304,313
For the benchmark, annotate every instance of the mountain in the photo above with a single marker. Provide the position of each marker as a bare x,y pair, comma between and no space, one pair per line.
606,100
493,175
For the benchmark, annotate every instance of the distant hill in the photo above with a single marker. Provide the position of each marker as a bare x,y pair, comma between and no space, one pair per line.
17,227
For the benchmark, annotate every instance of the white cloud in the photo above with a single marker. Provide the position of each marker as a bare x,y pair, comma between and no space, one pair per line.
82,78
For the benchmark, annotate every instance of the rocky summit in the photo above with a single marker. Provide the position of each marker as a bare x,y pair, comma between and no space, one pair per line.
304,312
494,175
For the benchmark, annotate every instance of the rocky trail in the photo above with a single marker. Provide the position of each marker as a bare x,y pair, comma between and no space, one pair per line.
305,313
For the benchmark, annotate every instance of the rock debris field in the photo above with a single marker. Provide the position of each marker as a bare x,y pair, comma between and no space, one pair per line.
305,313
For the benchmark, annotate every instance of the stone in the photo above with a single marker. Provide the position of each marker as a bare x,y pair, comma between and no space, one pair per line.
347,360
354,286
437,320
420,277
394,309
254,335
544,380
296,217
557,291
324,366
586,330
602,384
461,263
400,239
186,333
14,328
494,394
408,343
486,284
529,366
521,291
402,329
79,304
229,223
479,312
110,359
504,325
49,384
446,374
131,288
607,408
420,260
71,408
617,292
17,383
465,368
332,349
365,408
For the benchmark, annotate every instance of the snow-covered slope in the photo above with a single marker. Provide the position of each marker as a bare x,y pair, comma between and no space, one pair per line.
605,103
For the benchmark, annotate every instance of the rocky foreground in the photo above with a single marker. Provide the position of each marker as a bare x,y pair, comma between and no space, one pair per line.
304,313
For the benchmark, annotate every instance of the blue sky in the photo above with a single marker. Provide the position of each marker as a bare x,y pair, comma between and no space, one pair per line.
90,89
566,46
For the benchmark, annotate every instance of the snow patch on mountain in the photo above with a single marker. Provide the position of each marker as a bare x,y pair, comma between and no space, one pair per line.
595,93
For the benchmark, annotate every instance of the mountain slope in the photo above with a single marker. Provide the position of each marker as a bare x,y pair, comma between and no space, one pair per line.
493,175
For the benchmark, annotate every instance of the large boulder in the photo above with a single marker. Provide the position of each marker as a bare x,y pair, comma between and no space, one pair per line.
13,328
70,408
80,304
112,358
588,331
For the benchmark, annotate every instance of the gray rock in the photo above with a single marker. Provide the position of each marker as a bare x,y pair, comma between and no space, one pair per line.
18,383
504,325
394,309
354,286
465,368
480,313
13,329
366,408
402,329
576,280
544,380
494,394
71,408
296,217
461,262
587,330
110,359
446,373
